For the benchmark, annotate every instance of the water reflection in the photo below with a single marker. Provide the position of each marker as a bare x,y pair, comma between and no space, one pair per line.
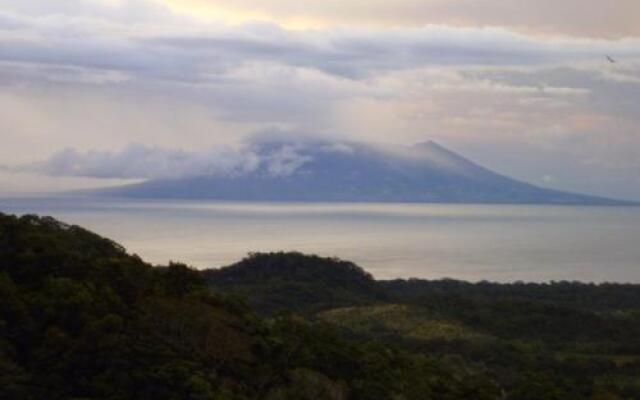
474,242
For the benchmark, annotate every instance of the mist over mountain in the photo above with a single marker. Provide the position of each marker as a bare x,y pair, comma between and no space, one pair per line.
320,170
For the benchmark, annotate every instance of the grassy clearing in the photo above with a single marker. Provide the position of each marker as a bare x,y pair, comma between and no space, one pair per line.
401,320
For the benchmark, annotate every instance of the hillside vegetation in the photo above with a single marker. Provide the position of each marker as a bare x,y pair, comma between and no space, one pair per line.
559,340
80,318
296,282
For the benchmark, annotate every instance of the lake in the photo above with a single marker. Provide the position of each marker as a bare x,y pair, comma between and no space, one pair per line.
471,242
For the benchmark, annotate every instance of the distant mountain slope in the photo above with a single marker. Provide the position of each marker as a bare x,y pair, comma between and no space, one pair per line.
357,172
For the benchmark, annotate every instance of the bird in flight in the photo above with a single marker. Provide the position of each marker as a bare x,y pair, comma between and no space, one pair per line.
611,60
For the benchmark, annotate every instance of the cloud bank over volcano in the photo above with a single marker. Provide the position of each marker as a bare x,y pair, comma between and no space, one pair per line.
310,170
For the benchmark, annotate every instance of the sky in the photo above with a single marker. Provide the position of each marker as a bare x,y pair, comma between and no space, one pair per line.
172,87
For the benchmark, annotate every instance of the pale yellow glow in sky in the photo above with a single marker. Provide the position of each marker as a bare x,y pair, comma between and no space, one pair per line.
235,16
591,18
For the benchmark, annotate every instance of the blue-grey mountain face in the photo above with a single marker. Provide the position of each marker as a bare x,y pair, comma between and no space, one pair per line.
356,172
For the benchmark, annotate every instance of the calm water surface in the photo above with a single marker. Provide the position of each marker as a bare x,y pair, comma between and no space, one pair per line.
472,242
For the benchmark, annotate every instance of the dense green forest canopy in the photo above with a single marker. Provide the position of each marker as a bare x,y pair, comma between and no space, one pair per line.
80,318
271,281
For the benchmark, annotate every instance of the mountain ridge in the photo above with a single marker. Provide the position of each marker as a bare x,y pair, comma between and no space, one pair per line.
356,172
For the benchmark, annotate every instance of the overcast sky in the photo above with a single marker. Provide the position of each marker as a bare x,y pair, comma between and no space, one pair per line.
521,86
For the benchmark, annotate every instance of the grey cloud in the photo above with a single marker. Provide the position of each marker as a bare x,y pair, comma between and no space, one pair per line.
337,147
10,22
285,161
126,11
613,90
21,71
210,51
138,161
357,54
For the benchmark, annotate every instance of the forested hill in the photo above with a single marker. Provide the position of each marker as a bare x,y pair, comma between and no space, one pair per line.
558,340
296,282
80,318
271,281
